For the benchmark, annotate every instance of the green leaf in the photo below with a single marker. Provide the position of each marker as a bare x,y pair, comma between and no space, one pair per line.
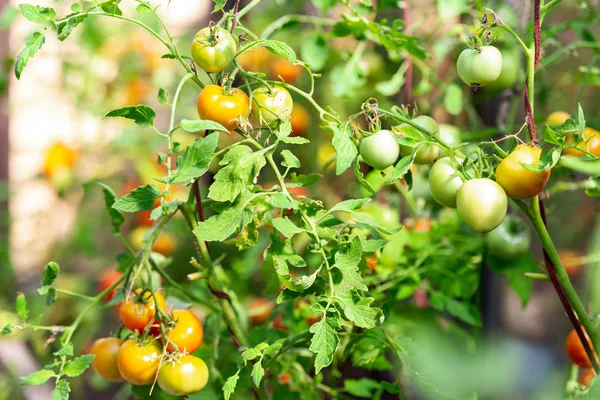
548,161
401,169
61,391
453,99
345,149
142,115
589,166
281,49
112,7
363,387
286,227
315,51
140,199
298,285
65,28
31,47
163,96
358,310
251,354
65,351
274,348
241,167
305,180
257,373
324,342
464,311
221,226
76,366
219,4
393,86
230,385
37,14
161,157
202,125
324,5
38,377
21,306
194,162
50,273
514,270
283,254
116,218
290,160
347,262
349,205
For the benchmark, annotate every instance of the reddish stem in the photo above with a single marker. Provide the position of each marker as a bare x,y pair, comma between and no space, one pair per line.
408,84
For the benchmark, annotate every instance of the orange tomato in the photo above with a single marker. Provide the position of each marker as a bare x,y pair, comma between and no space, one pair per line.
371,263
225,108
518,182
59,157
586,376
255,59
590,143
164,243
285,70
259,310
284,378
137,90
300,120
575,349
107,279
186,333
422,224
557,118
105,362
138,309
139,361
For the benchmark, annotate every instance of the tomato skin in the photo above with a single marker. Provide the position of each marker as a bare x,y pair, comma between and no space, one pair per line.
482,204
58,158
426,152
164,243
282,68
138,311
380,150
510,239
444,182
213,49
268,108
259,310
509,74
518,182
225,108
557,118
450,134
575,349
590,142
187,333
107,279
138,361
300,120
183,376
105,362
479,67
255,59
586,376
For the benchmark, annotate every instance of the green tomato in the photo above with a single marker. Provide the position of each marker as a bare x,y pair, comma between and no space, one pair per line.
482,204
426,152
183,376
451,135
213,49
376,179
510,239
271,107
444,182
380,150
479,67
385,216
508,76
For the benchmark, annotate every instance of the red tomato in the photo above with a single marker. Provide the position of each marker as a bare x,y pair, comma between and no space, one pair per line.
138,310
576,351
259,310
108,278
283,69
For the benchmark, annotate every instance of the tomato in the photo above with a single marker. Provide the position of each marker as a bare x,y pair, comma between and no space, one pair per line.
422,224
570,259
259,310
444,181
450,134
590,142
326,157
426,152
557,118
371,263
586,376
183,376
164,243
278,323
59,157
137,90
108,278
376,179
255,59
138,309
482,204
575,349
213,49
508,75
139,361
284,378
270,107
510,239
518,182
105,362
300,120
479,67
380,150
186,333
385,216
282,68
225,108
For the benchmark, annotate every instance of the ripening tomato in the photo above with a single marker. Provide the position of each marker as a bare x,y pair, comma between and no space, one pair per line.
278,323
164,243
586,376
137,90
371,263
426,152
518,182
590,143
59,157
105,362
380,150
576,351
108,278
183,376
186,333
444,181
259,310
482,204
326,157
479,67
138,361
213,49
271,106
450,134
255,59
139,309
300,120
557,118
570,259
226,108
282,68
284,378
422,224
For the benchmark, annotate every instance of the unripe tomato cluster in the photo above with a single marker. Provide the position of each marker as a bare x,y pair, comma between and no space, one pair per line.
159,349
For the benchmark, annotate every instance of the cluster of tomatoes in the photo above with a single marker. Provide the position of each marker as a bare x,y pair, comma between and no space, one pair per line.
159,350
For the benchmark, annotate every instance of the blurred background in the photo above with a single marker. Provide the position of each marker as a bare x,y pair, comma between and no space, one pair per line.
55,146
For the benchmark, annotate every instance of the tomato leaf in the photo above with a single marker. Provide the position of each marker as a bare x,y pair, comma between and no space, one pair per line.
142,115
202,125
50,273
401,169
37,14
305,180
289,159
280,49
345,149
219,4
587,165
32,46
70,22
21,306
241,167
286,227
283,255
141,198
258,372
315,51
358,309
38,377
78,365
324,342
194,161
163,96
221,226
363,387
230,384
116,218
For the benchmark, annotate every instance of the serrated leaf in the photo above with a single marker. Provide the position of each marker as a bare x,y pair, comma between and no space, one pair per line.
61,391
194,161
305,180
219,4
290,160
284,255
251,354
258,372
281,49
286,227
140,199
37,378
116,218
345,150
300,284
76,366
274,348
202,125
324,342
400,170
33,45
221,226
37,14
229,386
358,310
21,306
349,205
65,28
315,51
65,351
142,115
241,167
